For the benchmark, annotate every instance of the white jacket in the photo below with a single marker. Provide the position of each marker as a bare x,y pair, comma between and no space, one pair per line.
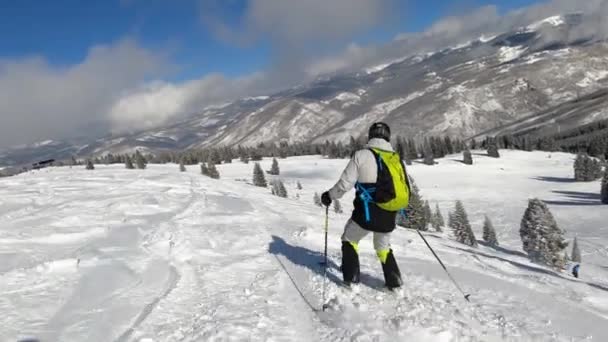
362,168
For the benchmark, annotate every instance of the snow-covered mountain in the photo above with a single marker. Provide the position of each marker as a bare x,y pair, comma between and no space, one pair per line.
462,90
162,255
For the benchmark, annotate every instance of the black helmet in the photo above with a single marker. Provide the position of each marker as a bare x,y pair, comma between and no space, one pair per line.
380,130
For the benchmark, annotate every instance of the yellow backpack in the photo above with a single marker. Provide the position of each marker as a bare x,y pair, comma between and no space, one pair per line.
392,187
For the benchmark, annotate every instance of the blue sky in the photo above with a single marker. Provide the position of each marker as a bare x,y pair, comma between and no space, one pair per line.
62,31
111,66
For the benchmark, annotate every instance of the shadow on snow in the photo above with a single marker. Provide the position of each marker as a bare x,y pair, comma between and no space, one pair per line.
312,260
576,198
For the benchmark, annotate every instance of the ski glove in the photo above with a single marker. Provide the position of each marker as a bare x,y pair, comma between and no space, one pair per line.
326,199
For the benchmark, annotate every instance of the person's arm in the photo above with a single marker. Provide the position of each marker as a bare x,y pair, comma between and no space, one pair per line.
347,180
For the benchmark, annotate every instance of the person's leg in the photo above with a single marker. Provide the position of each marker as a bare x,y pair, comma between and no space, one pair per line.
392,275
353,233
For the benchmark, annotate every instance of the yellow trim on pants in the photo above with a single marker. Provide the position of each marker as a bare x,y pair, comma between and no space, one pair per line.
383,255
355,246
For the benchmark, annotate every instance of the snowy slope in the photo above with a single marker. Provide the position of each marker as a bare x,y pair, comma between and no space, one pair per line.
158,255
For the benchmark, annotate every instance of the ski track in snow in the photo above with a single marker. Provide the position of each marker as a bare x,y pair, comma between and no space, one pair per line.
159,255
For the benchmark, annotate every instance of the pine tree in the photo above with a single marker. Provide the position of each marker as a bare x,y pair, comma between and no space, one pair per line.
542,239
317,200
604,192
213,172
278,189
428,214
438,221
412,151
129,163
299,185
338,207
461,227
415,212
140,161
576,252
204,169
579,168
90,165
258,176
493,149
428,154
274,169
182,168
467,157
489,234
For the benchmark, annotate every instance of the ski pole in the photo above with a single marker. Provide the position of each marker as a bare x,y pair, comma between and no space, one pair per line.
325,262
466,296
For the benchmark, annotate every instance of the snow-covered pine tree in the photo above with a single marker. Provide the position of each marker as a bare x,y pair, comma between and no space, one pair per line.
140,161
317,200
415,213
467,157
461,226
258,176
604,192
213,172
489,233
90,165
438,221
428,214
576,252
281,190
182,167
579,168
299,185
129,163
493,149
274,169
338,207
542,239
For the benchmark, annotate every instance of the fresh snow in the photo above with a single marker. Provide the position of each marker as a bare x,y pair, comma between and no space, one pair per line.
159,255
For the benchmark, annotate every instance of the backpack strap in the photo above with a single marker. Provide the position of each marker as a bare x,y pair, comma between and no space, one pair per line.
367,198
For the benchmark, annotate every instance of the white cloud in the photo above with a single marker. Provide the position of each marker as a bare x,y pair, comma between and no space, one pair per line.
40,101
158,102
293,22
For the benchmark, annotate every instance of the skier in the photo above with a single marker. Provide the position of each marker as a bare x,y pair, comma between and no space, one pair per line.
382,190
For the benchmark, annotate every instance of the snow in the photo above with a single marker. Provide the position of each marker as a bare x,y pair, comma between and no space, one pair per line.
507,54
557,20
377,68
256,98
43,143
485,39
159,255
348,99
591,77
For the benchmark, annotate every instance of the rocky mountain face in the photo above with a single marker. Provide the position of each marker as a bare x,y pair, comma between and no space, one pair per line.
463,91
